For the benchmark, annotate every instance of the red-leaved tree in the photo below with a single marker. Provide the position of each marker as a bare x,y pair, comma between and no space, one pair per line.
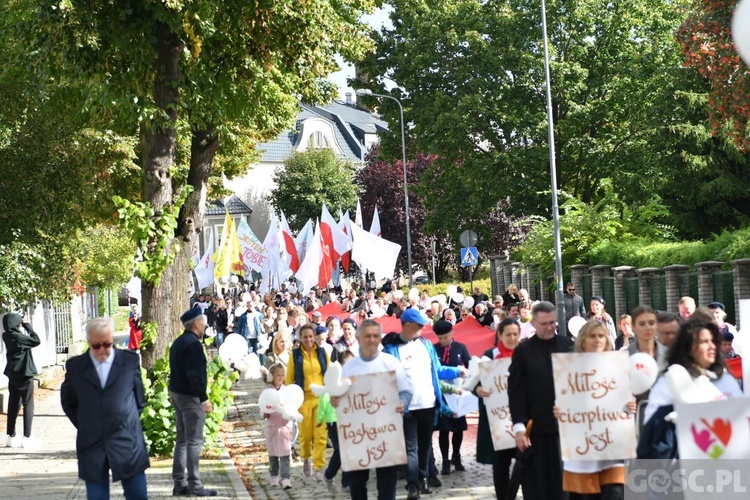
382,184
706,41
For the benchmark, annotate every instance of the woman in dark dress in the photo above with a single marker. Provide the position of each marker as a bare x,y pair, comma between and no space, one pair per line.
506,340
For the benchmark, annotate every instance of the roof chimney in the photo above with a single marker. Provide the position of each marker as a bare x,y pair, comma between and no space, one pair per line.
348,97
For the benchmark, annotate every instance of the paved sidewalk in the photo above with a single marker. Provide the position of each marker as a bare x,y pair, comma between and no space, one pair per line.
51,472
244,439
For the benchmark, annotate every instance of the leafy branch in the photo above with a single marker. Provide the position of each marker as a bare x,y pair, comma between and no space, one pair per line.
152,232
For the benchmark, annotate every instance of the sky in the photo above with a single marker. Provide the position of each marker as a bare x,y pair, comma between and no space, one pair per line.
376,20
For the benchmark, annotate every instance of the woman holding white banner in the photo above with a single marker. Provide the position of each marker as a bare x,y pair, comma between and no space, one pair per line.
506,339
594,479
695,350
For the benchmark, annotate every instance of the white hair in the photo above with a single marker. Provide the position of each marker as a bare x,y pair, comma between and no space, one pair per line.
99,325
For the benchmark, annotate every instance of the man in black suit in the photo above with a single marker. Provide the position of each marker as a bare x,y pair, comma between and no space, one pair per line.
187,384
531,395
102,395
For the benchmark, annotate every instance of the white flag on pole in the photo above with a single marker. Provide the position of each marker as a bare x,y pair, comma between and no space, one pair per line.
204,272
374,253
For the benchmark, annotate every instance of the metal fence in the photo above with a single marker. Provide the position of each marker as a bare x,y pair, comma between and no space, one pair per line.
63,322
658,293
608,293
632,297
723,288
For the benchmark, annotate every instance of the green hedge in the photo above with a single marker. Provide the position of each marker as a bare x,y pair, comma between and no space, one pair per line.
636,252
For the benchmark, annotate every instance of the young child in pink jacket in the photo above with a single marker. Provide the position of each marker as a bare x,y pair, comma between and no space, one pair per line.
278,435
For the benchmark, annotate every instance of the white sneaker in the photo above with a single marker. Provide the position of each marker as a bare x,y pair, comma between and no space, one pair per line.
286,484
331,486
319,475
31,443
14,441
307,467
275,481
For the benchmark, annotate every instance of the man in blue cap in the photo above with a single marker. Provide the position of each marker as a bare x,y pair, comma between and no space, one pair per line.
423,369
187,384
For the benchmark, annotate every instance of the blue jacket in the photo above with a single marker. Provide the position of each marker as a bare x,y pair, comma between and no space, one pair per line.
391,344
244,328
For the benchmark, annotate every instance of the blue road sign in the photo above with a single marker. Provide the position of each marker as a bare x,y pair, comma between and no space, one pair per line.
469,256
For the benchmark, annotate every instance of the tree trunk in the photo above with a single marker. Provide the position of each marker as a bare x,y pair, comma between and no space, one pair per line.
204,144
203,147
158,139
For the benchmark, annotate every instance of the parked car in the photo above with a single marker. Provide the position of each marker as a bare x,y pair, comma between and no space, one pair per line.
422,279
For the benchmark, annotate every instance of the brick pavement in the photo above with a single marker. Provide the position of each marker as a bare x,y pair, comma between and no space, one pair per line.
51,472
244,439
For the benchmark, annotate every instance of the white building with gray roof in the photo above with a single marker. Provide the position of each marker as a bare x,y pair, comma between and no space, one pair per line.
349,130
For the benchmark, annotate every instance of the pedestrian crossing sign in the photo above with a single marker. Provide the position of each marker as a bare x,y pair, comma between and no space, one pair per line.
469,256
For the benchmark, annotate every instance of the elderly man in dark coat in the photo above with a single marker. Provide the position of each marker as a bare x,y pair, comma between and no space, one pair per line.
102,395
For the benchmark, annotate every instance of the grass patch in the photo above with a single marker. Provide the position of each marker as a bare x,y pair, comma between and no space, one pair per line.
120,316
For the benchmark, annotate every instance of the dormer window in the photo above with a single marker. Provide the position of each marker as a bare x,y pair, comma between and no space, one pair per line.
318,141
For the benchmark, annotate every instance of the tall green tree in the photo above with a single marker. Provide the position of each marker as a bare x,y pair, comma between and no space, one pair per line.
309,179
221,74
470,75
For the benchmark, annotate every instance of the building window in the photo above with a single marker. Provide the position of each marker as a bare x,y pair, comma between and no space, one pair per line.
318,140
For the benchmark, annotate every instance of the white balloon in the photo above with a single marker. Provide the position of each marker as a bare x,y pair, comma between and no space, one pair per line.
292,289
741,29
458,298
251,365
398,294
643,372
293,397
469,302
575,324
451,290
442,299
414,293
233,349
269,401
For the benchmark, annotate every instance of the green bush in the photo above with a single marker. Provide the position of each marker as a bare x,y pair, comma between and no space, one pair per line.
157,418
640,252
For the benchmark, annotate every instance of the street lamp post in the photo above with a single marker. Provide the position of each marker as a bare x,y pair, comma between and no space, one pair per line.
368,92
562,326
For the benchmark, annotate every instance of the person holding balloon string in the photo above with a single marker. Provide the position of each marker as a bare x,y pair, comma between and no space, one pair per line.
278,433
594,479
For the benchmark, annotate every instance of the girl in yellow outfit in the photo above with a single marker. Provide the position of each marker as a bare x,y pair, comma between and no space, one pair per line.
307,366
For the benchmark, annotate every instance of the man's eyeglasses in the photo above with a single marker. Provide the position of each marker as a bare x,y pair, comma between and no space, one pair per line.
98,346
